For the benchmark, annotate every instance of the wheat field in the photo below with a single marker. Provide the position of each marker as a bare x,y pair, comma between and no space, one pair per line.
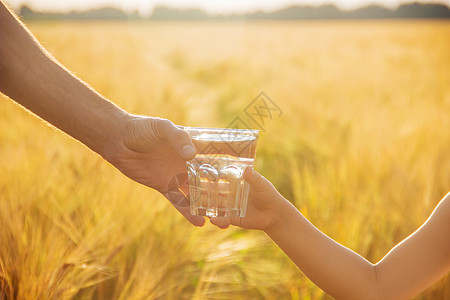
361,148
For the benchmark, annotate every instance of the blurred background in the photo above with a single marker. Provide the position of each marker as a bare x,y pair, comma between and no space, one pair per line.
360,144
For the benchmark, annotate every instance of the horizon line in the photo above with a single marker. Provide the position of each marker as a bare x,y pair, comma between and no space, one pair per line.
218,14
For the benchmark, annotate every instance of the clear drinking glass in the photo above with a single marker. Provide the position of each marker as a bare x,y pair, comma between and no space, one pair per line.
216,185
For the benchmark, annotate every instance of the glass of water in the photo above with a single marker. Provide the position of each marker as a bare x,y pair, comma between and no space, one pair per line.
216,185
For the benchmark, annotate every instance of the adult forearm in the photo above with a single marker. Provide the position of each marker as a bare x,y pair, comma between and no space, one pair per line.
31,77
337,270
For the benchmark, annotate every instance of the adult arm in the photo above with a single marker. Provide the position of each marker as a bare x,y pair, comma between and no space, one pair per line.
32,78
151,151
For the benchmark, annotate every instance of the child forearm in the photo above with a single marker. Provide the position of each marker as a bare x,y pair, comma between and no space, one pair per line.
407,269
339,271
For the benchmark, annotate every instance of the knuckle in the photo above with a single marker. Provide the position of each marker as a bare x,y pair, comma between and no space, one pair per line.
162,127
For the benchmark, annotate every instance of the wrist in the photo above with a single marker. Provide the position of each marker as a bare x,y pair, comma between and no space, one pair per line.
109,135
279,217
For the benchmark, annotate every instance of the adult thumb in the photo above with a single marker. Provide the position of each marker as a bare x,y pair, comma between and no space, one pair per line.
180,140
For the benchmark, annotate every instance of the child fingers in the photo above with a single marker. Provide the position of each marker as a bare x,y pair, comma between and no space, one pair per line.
257,182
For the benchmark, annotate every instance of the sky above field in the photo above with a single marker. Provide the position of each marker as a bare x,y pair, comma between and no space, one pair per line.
229,6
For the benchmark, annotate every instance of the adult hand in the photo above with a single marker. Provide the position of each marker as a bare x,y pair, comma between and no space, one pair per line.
153,151
148,150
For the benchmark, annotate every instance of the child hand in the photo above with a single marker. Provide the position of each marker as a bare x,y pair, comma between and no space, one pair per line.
263,205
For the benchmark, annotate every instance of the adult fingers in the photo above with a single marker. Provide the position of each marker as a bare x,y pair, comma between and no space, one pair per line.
180,202
180,139
221,222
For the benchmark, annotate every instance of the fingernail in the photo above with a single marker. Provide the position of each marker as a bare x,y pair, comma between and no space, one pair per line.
187,150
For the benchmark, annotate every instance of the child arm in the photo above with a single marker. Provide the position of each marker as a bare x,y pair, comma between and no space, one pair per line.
407,269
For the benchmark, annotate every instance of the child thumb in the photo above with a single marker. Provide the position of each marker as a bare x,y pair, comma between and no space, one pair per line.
257,182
